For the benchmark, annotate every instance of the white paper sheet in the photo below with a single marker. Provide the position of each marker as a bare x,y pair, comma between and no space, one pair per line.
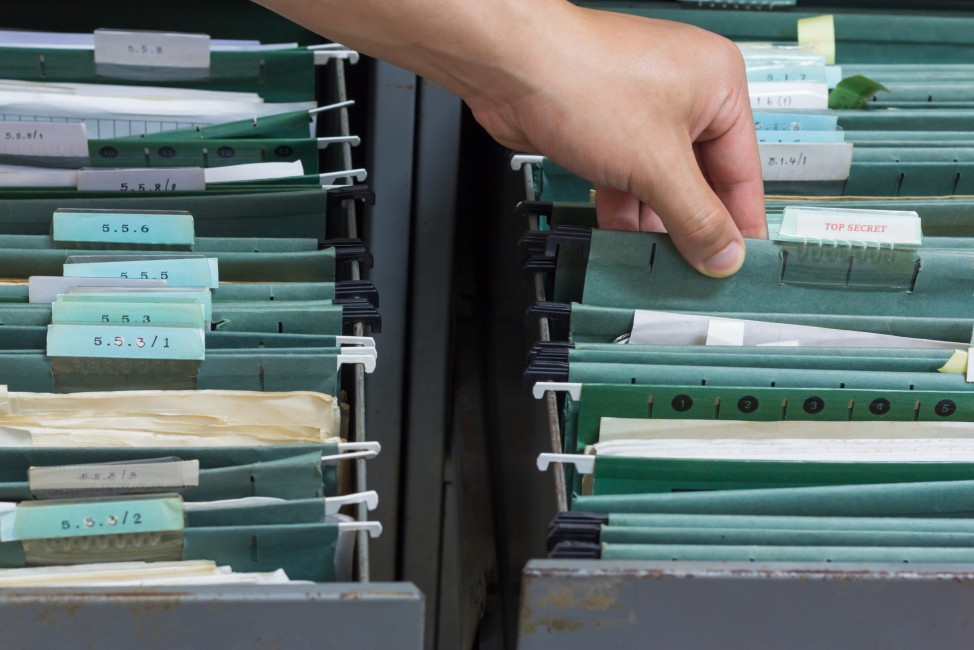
668,328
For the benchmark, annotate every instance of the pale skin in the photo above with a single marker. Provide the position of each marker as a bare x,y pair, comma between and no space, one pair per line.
654,113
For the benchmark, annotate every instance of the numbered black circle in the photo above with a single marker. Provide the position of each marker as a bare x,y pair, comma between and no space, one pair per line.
283,151
814,405
225,152
682,403
108,152
879,406
167,152
747,404
945,408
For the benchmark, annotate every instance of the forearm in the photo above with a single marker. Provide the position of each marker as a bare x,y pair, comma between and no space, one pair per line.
474,48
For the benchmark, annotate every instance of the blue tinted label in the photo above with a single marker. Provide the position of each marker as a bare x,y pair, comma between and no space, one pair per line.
91,518
185,311
112,227
177,272
122,341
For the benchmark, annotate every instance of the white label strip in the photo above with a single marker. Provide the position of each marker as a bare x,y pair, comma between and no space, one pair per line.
44,139
176,474
153,49
184,179
866,226
788,95
805,161
46,288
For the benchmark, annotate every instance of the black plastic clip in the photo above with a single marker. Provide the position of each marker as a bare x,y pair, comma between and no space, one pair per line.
360,310
357,289
532,242
557,311
576,235
349,249
339,196
545,370
539,208
576,527
538,264
576,551
550,350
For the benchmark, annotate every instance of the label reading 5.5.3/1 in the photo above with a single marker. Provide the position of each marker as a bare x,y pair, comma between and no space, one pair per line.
176,342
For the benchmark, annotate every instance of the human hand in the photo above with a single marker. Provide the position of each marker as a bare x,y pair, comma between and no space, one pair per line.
656,114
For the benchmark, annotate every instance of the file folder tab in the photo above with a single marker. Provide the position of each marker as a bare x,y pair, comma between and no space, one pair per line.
131,477
126,341
77,518
177,272
162,311
130,228
142,55
44,143
183,179
895,229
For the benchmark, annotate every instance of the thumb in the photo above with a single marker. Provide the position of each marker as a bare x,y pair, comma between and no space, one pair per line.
701,227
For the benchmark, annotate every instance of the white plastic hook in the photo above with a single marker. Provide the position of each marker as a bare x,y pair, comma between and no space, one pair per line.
521,159
334,504
352,358
364,341
584,464
573,389
353,140
329,107
374,528
322,57
358,174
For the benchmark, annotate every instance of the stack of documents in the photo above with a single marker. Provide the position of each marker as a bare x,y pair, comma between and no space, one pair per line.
816,406
178,297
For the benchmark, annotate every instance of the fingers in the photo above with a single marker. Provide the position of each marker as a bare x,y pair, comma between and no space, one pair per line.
733,166
623,211
616,210
699,224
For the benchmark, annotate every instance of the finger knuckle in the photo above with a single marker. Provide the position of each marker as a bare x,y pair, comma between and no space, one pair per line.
706,226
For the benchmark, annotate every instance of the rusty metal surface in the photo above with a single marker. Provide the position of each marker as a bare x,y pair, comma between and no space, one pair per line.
348,616
600,604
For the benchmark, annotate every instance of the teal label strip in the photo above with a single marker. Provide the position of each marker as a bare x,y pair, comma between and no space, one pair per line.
177,272
111,227
123,341
185,311
201,296
91,518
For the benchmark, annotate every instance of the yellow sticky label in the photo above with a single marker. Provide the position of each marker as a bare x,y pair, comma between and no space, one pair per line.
819,32
956,364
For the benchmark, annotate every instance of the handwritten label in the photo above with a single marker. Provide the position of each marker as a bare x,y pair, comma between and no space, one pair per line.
41,520
899,229
43,140
153,49
120,227
185,311
184,179
805,161
152,295
800,136
171,474
781,72
795,121
122,341
177,272
788,95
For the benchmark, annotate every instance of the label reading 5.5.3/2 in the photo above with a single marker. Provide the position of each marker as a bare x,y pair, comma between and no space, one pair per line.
79,519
